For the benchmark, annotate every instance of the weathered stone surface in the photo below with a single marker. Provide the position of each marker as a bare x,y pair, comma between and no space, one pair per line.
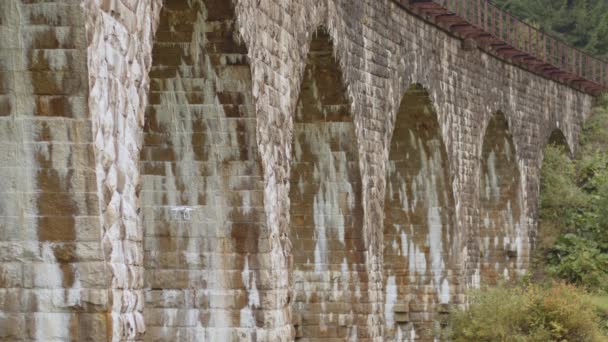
382,51
329,267
420,269
52,276
288,152
501,238
119,38
202,182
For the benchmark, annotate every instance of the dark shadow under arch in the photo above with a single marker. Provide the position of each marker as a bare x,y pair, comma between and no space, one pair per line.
500,203
202,181
420,272
557,138
329,272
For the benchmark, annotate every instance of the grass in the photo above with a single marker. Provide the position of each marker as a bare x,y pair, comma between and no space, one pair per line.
601,301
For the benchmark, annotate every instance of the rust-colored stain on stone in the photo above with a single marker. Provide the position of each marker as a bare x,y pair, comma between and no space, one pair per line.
329,271
500,231
420,270
230,170
48,184
200,155
55,199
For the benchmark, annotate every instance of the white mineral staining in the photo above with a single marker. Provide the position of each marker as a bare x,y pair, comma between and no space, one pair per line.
325,215
492,188
203,135
391,298
249,281
404,246
500,204
118,94
420,217
119,38
330,174
328,215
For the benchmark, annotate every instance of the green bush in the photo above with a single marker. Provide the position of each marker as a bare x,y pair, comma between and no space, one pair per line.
562,201
573,239
579,261
527,314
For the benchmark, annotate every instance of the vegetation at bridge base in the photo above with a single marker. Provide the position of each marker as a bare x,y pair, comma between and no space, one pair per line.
581,23
528,313
573,230
565,297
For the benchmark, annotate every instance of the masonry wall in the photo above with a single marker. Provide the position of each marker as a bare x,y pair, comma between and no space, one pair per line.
382,51
175,218
202,186
329,273
119,37
500,205
53,283
421,274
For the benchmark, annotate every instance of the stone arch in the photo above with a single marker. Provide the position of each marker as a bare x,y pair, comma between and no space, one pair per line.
500,202
201,180
329,267
420,270
558,138
542,236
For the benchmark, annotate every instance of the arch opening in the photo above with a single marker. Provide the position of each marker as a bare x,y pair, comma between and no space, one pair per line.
556,187
557,138
202,181
326,213
500,240
420,273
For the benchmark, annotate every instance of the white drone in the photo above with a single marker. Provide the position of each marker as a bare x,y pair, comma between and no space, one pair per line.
183,210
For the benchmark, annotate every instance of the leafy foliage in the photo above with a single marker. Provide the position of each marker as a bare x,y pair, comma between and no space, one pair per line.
573,233
574,208
562,201
527,314
581,23
579,261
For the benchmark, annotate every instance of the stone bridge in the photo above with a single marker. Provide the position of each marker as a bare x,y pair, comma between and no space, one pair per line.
262,170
